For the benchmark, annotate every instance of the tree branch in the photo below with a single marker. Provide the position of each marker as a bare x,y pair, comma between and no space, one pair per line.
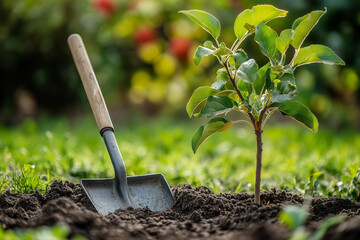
232,79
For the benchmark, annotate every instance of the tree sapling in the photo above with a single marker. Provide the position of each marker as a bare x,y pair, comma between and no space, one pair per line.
242,86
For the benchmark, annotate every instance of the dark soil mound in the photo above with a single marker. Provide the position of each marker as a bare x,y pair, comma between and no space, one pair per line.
196,214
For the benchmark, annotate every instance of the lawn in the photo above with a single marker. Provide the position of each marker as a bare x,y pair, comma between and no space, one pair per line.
35,153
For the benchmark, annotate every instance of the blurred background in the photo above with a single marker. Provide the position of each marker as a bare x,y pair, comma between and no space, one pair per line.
142,50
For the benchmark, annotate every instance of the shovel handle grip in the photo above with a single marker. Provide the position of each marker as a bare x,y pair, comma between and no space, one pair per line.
89,82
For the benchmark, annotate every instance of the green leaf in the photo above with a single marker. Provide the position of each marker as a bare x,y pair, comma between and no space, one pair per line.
266,38
222,50
285,89
219,84
316,54
304,25
284,40
260,80
247,20
248,71
234,96
301,114
288,77
293,216
207,21
354,169
255,103
199,95
201,52
265,98
245,89
203,132
288,69
239,57
275,72
210,45
221,80
217,105
225,93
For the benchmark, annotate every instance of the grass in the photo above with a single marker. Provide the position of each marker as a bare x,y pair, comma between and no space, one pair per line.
324,164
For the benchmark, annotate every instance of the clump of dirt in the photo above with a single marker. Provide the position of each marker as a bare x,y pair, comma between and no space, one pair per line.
196,214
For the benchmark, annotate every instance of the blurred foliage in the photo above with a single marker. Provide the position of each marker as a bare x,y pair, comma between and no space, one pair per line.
59,231
142,53
294,217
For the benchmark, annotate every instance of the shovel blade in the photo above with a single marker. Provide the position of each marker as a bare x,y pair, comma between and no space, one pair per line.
150,191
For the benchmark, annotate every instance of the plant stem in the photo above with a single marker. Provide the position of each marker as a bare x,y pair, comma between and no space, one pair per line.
258,132
259,150
239,42
259,143
234,44
292,60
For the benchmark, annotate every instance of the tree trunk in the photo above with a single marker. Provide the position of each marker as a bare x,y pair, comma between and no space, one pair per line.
258,164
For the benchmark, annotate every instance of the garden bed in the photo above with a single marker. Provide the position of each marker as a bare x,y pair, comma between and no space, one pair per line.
196,214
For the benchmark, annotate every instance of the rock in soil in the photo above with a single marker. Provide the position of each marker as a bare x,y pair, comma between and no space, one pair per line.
196,214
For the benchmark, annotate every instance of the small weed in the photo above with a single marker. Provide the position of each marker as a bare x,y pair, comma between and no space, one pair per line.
3,181
314,186
28,180
349,186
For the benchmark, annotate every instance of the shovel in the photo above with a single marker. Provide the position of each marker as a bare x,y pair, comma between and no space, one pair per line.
110,194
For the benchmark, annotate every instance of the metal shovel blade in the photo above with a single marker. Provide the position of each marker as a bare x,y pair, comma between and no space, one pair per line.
150,191
110,194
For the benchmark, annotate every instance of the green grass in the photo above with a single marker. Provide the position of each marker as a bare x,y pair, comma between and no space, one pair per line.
325,164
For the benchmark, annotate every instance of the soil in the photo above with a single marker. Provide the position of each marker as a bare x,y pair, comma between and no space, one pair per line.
196,214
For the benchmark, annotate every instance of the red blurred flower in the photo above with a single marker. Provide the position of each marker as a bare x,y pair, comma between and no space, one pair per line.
180,48
145,35
105,6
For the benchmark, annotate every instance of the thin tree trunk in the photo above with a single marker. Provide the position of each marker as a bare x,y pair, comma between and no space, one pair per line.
258,164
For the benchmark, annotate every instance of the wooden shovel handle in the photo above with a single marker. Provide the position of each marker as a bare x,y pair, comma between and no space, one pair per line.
89,82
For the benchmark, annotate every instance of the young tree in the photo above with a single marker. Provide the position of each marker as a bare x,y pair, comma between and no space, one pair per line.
241,85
